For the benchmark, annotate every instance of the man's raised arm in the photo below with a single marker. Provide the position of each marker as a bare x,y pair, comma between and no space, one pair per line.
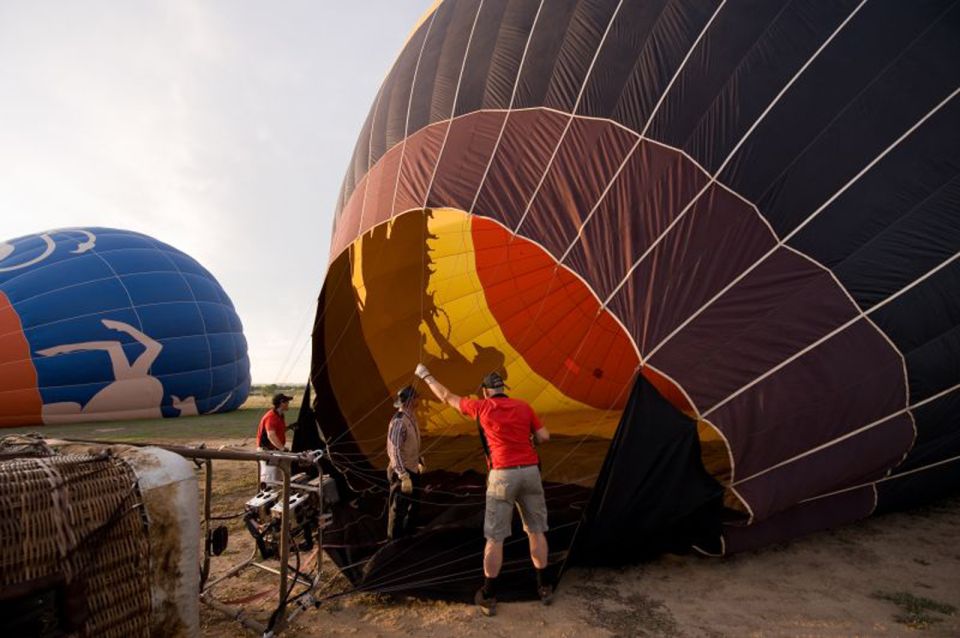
439,390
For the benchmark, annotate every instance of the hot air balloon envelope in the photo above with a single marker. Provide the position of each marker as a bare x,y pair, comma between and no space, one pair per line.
103,324
714,244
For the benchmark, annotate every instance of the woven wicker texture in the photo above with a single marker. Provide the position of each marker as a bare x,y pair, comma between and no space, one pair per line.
79,516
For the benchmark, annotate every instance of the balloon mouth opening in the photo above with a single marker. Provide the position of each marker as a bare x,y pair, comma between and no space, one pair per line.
464,295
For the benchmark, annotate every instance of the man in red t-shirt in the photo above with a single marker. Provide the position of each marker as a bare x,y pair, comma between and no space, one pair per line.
510,428
272,435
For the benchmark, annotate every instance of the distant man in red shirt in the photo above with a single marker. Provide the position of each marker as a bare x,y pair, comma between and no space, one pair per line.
272,435
511,429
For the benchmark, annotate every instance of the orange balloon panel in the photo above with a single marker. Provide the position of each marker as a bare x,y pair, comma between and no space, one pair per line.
552,319
19,397
463,295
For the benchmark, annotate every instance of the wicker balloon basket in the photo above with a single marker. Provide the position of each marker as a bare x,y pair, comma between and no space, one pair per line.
74,548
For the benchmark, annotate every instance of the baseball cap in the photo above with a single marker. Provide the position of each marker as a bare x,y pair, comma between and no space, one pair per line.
493,380
405,394
279,398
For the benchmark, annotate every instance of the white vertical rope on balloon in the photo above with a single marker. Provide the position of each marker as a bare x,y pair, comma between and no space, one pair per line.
601,198
406,125
732,153
629,154
860,315
848,435
643,132
400,166
453,108
570,118
508,111
806,221
366,176
321,312
713,178
866,168
373,123
338,229
859,93
550,162
513,95
433,174
496,146
683,64
370,162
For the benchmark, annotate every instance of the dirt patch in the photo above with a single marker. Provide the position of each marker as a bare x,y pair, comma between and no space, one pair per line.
917,612
823,585
634,614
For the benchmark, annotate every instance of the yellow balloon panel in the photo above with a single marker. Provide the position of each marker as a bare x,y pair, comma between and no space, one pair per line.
457,336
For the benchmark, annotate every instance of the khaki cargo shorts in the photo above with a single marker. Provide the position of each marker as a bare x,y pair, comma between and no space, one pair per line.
519,486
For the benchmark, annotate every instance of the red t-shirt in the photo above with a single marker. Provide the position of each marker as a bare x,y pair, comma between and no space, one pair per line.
507,423
276,424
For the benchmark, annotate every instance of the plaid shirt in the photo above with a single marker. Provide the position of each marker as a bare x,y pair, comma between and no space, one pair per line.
403,443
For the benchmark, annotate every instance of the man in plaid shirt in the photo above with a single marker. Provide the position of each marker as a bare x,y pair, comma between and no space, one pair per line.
406,464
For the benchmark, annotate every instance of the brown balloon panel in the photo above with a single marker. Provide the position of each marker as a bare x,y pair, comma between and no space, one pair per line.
467,294
690,274
568,211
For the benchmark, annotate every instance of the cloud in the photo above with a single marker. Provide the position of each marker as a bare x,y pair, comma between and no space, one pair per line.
221,129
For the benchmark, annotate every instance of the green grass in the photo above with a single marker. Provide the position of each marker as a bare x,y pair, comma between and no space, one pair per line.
916,609
229,425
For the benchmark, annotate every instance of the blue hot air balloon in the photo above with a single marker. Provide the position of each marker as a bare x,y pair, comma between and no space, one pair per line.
101,324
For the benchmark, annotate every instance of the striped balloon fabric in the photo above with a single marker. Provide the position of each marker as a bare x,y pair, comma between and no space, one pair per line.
102,324
714,244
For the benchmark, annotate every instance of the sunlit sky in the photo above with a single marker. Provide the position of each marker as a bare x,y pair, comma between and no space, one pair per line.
221,128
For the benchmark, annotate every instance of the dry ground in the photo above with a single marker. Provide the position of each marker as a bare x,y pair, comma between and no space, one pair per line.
895,575
860,580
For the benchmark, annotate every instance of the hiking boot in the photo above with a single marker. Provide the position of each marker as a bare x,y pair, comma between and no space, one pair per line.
546,594
488,606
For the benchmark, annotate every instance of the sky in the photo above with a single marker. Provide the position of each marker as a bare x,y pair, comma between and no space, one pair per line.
222,128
